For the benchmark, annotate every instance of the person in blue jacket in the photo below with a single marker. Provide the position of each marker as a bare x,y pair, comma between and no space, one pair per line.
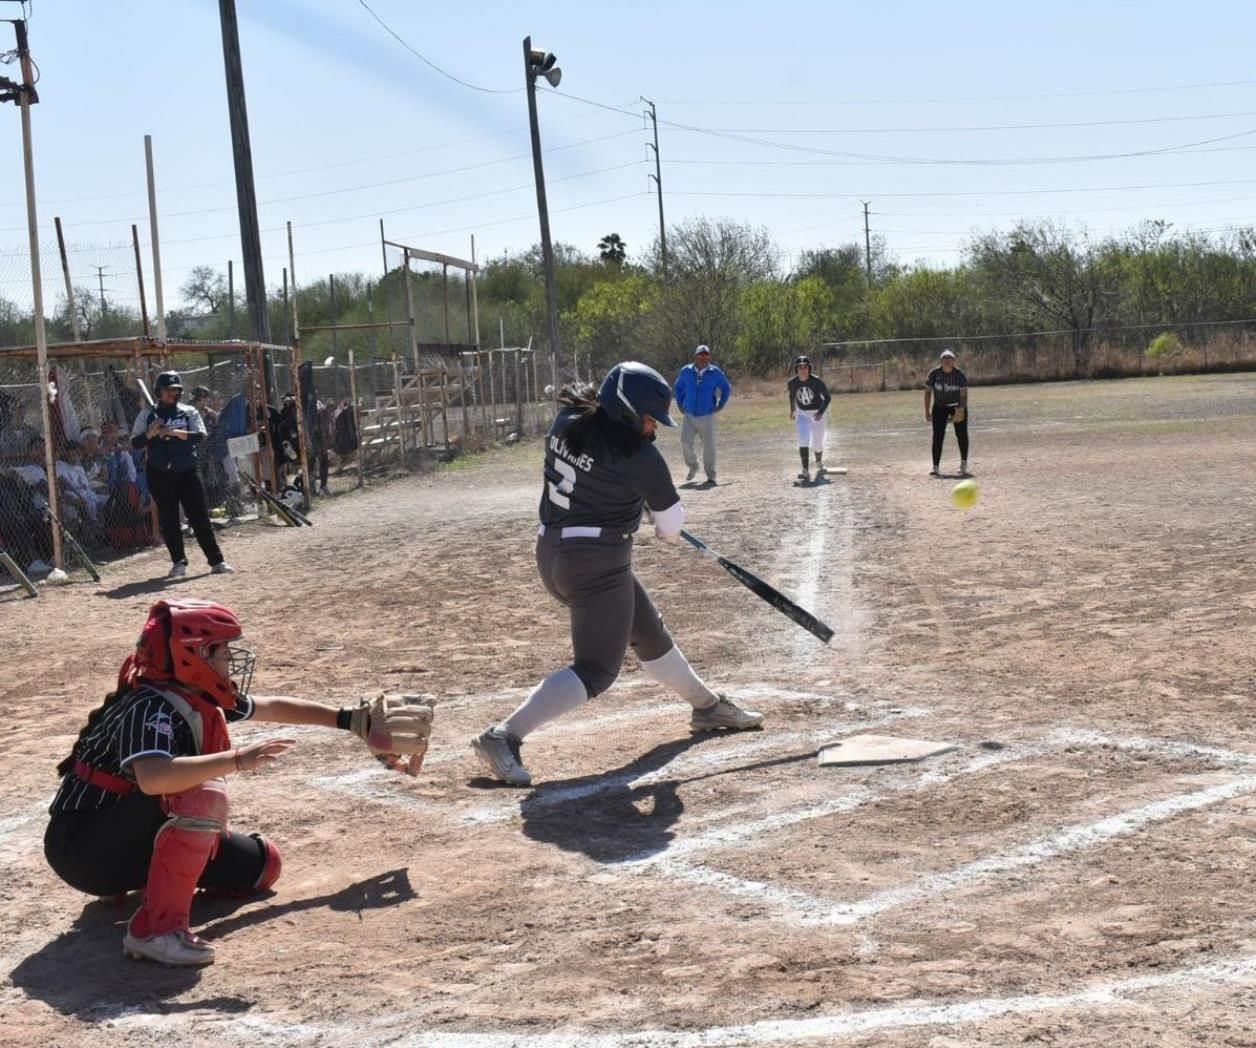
172,434
702,391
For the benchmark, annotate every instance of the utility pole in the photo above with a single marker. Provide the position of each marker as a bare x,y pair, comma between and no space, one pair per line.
658,181
230,298
246,194
867,244
100,279
531,67
24,95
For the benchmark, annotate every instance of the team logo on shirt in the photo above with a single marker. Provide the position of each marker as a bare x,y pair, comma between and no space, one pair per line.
159,723
805,396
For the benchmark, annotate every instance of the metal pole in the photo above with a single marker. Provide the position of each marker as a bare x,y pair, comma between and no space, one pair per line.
444,404
414,336
383,246
331,290
69,287
303,433
287,316
658,181
479,378
475,299
230,299
246,195
357,420
547,248
518,399
139,277
25,95
462,398
159,300
401,440
100,277
867,244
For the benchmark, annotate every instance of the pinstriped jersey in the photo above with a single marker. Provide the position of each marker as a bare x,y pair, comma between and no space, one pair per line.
601,489
141,724
946,388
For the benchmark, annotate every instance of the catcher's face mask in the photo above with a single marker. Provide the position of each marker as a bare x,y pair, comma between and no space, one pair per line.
233,660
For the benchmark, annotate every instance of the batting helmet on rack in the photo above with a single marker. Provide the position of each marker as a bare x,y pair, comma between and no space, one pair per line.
631,390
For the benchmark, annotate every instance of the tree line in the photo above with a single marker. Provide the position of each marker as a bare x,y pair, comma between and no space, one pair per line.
728,285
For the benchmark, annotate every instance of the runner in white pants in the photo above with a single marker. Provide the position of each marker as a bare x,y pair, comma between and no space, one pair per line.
808,401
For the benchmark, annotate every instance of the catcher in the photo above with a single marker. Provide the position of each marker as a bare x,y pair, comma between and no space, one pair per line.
143,797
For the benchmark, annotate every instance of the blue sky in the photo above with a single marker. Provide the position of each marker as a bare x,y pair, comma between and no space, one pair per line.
347,126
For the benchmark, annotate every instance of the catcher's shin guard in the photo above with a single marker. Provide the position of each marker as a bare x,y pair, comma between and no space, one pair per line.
274,863
183,846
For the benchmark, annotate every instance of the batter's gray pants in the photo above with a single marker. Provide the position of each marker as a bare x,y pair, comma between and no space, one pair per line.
699,426
610,609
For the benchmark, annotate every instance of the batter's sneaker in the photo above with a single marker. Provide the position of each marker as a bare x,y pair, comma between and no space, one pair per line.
805,476
177,570
498,751
222,568
693,472
174,949
963,470
934,472
725,713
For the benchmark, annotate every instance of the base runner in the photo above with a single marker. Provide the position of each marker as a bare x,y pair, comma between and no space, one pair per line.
601,471
808,401
143,797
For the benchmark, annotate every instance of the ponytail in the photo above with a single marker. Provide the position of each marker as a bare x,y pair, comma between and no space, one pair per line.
594,430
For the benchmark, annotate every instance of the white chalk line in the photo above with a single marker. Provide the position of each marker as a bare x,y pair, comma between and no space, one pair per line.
846,1023
732,750
806,908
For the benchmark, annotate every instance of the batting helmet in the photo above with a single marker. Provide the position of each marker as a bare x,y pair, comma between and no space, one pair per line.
173,646
168,379
799,361
631,390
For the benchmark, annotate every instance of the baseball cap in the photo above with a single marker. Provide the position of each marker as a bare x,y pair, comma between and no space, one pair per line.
701,349
947,353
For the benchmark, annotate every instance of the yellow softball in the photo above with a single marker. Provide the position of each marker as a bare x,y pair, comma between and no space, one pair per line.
964,494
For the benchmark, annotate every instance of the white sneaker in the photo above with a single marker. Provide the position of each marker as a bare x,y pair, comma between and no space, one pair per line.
222,568
173,949
499,751
177,570
725,713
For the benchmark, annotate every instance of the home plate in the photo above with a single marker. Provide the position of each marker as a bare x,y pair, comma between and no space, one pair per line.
880,749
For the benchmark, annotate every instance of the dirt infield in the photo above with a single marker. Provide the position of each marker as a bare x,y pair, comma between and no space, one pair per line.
1078,872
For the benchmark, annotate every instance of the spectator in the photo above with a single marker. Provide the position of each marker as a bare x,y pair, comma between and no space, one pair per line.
126,514
172,433
73,481
15,434
213,472
702,392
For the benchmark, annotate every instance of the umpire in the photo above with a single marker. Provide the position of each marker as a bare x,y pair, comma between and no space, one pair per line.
171,433
947,389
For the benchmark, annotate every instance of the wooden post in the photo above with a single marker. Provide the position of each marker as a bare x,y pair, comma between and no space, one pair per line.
518,398
159,301
414,333
444,282
401,440
303,433
69,286
475,299
444,404
462,398
479,377
139,277
492,394
357,418
536,388
331,288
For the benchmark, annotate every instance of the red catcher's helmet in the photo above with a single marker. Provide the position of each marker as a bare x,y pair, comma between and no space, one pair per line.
173,647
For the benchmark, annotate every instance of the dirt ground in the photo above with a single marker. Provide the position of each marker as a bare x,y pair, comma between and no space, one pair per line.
1077,872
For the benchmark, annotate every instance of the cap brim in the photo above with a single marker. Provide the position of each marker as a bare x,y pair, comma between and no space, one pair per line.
665,420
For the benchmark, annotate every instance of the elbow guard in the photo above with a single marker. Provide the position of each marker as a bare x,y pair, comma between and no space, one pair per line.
668,522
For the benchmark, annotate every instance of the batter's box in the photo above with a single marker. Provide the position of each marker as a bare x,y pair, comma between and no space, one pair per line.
798,865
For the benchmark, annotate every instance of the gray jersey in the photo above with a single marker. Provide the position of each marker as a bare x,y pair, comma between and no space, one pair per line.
601,489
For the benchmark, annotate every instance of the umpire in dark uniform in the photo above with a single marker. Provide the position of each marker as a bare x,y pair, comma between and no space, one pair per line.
171,433
946,400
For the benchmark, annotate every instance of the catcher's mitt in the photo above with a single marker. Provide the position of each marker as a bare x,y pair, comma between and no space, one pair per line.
396,729
961,414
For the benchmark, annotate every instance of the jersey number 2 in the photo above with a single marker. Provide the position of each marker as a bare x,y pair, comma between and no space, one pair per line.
559,492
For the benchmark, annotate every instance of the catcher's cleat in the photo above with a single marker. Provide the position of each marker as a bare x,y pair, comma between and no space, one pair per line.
499,751
177,570
173,949
725,713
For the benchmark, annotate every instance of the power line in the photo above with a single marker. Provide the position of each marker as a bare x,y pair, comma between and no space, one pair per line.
432,65
1158,89
880,163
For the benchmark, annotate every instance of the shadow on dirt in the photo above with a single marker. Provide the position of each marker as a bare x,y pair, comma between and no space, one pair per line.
82,972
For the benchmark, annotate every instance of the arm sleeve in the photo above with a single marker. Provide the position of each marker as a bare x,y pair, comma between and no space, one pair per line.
150,729
825,398
789,394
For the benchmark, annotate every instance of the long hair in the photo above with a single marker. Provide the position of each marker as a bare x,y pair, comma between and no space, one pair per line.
67,765
594,431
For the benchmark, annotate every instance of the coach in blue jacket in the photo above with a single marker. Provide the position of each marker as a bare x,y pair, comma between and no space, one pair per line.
701,391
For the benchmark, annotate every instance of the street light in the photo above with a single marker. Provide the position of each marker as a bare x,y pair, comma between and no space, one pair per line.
536,63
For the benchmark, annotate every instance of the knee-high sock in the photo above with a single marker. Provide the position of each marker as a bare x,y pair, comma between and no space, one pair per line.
674,672
559,693
804,453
